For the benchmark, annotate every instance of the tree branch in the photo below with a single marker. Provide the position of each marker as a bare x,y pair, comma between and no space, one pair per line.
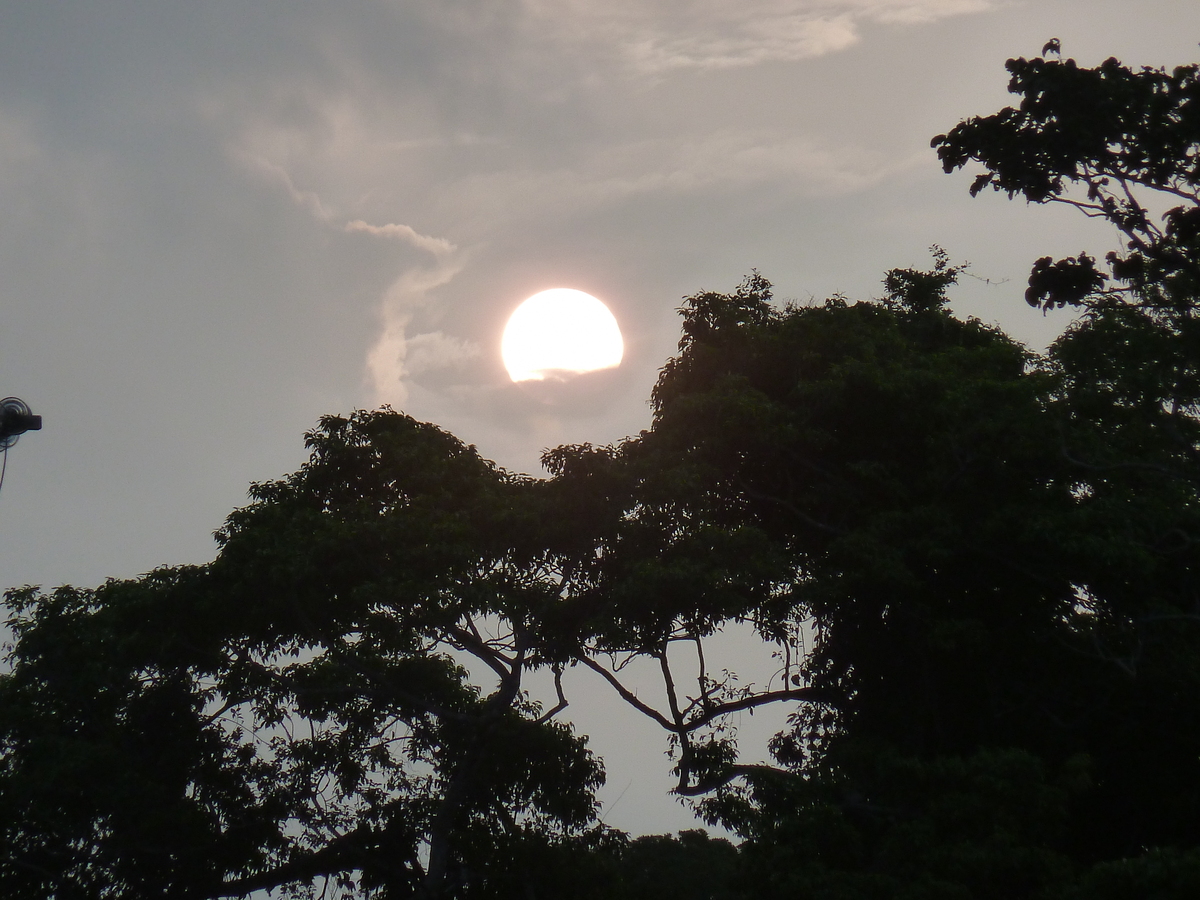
753,701
562,698
627,695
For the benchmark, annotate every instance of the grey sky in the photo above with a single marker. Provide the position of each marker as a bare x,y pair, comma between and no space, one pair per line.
224,218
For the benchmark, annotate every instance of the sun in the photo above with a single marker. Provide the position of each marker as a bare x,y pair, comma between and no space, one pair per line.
559,333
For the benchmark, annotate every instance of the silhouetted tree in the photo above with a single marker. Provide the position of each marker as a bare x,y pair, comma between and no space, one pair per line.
299,711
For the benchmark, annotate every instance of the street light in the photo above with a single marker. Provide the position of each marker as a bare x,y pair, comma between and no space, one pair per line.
16,418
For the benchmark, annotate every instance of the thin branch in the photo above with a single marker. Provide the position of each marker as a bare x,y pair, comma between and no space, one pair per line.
475,645
704,787
1164,188
669,684
562,698
1140,211
1091,210
753,701
340,854
627,695
225,707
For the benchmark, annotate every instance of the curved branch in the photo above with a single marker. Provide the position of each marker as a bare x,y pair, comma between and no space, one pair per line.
475,645
736,771
669,684
813,695
562,697
627,695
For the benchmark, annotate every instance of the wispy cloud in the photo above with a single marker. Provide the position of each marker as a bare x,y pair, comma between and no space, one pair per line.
723,162
307,200
356,147
681,34
439,247
736,159
436,350
729,42
395,356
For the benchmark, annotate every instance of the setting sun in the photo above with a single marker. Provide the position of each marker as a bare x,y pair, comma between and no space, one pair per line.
559,333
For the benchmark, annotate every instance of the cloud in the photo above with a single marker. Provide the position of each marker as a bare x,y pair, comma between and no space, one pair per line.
714,34
743,42
736,159
439,247
395,356
435,350
720,163
912,12
307,200
524,123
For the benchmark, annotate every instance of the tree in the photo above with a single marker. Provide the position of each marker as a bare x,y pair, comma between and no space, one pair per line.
995,552
895,470
1122,145
998,692
339,698
1113,143
300,711
692,865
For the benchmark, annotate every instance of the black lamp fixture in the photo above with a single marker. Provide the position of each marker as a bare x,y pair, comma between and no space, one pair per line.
16,418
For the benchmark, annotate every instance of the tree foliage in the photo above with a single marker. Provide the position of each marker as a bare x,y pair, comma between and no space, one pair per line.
1116,144
301,709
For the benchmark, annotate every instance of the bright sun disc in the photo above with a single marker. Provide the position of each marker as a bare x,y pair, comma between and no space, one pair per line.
560,332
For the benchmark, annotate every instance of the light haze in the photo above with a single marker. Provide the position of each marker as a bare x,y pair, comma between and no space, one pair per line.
223,219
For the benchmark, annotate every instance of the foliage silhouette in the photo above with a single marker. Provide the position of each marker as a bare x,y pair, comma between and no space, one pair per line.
299,708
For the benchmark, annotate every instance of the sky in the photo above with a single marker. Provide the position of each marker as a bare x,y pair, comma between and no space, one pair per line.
223,219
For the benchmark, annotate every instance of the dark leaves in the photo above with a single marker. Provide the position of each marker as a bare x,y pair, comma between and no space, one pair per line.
1113,142
1067,282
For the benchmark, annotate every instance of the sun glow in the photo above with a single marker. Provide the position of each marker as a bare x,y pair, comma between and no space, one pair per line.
559,333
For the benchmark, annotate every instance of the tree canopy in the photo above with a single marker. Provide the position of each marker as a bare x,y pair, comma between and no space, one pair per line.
975,565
